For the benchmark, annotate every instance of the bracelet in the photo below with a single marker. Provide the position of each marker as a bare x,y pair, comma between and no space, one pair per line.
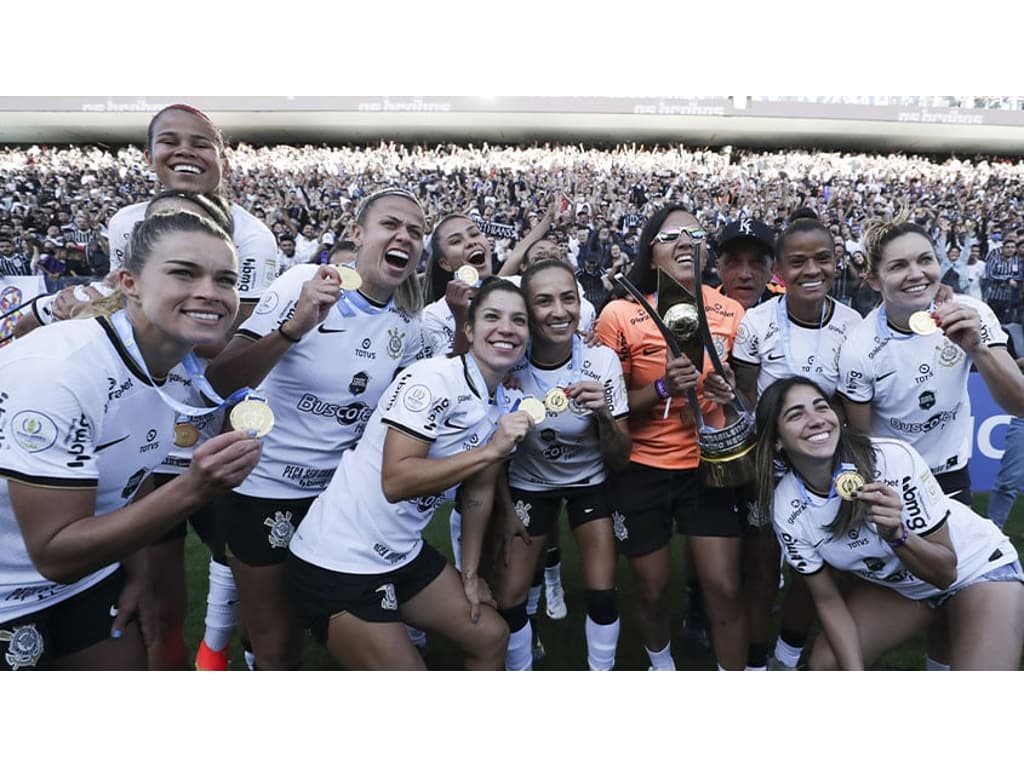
659,387
290,339
897,543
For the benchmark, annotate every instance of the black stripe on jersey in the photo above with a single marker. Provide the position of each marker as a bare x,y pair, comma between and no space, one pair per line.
35,310
469,379
407,431
49,482
247,300
126,358
545,367
935,527
817,324
247,334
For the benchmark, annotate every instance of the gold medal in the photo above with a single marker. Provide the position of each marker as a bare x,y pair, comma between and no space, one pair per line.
185,434
467,274
252,414
847,483
534,407
923,324
348,277
556,400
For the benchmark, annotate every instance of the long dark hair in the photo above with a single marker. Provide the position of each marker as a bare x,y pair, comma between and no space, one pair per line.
853,448
436,277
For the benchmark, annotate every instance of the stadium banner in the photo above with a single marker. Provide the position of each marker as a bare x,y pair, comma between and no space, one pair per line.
15,294
989,429
496,229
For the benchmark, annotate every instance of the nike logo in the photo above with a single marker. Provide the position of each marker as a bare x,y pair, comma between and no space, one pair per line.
588,510
884,376
652,351
776,357
321,329
448,423
112,442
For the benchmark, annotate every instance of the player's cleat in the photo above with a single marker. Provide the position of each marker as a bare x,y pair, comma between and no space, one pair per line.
774,665
554,601
209,660
695,635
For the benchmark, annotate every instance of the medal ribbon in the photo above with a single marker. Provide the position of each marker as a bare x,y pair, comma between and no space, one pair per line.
502,403
782,316
566,378
884,329
350,301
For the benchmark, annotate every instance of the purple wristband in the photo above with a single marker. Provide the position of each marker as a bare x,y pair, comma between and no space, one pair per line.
897,543
659,387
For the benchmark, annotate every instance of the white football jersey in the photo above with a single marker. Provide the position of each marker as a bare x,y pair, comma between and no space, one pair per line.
352,527
439,328
564,450
75,412
324,388
782,346
916,385
800,517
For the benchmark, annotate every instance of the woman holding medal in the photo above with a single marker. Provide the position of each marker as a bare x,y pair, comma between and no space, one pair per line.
662,485
584,431
359,566
321,348
914,549
87,415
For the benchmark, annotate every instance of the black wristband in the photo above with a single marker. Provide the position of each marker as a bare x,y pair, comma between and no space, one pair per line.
290,339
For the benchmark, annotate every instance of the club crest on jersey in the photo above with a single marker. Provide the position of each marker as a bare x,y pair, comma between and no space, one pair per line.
395,343
719,345
358,384
949,353
619,526
874,563
926,400
389,601
522,511
548,435
25,646
281,529
133,484
33,431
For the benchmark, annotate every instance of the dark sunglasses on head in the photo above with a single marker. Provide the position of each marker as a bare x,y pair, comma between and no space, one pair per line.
671,235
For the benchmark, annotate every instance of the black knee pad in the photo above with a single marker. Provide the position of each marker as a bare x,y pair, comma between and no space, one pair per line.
601,605
515,617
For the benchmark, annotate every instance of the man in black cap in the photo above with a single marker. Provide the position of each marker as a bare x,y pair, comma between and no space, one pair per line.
745,253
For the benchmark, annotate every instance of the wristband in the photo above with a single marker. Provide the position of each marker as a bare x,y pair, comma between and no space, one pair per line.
897,543
659,387
290,339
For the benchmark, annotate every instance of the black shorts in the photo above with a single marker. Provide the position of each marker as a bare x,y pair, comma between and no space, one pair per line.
755,521
72,625
203,522
539,509
957,484
648,500
257,531
319,594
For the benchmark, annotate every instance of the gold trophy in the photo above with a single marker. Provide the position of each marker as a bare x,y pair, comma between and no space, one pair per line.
726,452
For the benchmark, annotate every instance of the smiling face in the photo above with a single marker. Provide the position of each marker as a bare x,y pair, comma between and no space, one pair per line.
554,303
907,274
807,428
390,242
462,242
185,291
675,258
186,152
744,269
807,264
497,332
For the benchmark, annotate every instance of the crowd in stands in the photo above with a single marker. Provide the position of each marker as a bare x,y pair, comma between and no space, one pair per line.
55,202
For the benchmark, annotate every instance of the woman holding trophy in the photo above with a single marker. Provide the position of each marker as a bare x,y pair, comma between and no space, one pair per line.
663,484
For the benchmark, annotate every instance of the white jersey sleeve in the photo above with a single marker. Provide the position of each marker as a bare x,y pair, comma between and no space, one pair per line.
439,328
257,254
119,232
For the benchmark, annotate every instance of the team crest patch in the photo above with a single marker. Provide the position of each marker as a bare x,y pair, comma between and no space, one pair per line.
358,384
719,345
389,601
281,529
950,354
267,304
395,343
25,646
416,398
619,526
522,511
33,431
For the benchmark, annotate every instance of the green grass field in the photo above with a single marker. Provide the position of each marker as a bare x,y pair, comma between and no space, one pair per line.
563,640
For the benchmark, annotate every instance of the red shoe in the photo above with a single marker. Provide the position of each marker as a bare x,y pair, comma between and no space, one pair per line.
208,660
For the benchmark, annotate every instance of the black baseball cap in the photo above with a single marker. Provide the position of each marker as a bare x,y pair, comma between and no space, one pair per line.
748,230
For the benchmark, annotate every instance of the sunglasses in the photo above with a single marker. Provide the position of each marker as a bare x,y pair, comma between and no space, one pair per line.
673,234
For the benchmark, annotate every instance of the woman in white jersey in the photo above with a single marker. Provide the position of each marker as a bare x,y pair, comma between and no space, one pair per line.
799,333
359,566
564,459
872,507
88,411
321,356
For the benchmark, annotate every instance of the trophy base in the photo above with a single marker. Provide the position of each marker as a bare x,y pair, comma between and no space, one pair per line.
730,471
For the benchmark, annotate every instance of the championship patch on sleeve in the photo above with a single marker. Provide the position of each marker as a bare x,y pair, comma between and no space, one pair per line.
33,431
416,398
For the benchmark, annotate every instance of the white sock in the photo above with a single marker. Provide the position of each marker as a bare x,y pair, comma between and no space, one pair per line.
662,660
932,665
455,531
250,660
417,636
553,576
532,601
520,650
787,654
755,669
221,607
602,640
